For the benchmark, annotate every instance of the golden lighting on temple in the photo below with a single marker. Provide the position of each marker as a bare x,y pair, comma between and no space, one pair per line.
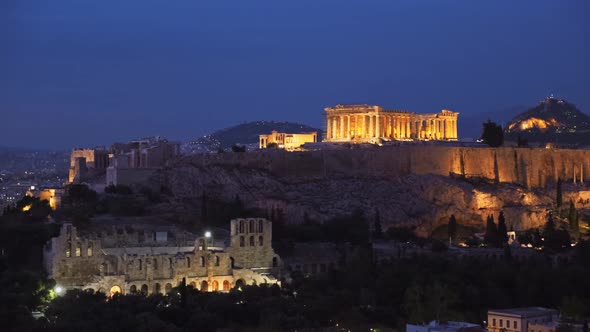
27,207
365,123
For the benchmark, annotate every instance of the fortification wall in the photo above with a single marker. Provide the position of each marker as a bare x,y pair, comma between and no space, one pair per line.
532,168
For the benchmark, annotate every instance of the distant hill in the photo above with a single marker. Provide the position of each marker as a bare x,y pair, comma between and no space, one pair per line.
552,120
246,133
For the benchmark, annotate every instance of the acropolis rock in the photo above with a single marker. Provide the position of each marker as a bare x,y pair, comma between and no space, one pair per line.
409,185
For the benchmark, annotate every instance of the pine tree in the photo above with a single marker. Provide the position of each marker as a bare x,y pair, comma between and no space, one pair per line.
452,228
491,235
572,217
559,195
502,229
377,230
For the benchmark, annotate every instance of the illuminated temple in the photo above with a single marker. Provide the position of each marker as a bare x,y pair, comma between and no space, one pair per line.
365,123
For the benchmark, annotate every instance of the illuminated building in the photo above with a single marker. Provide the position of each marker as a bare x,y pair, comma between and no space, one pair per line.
152,258
287,141
365,123
519,319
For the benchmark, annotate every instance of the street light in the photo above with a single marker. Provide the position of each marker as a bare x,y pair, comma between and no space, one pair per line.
208,234
59,290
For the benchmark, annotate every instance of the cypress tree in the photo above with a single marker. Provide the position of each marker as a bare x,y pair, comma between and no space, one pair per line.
491,235
377,230
452,227
502,229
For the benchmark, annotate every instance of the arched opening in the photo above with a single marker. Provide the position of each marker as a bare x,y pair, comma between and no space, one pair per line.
201,244
78,249
193,285
275,262
241,226
216,260
252,226
115,290
188,262
240,283
231,262
144,289
204,286
170,262
215,285
68,249
155,264
89,250
102,290
168,288
252,244
242,243
226,285
157,288
139,264
260,226
260,241
104,268
133,289
202,259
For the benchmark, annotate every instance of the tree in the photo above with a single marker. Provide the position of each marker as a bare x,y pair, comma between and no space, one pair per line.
238,148
452,228
572,217
118,189
491,235
555,239
558,194
502,229
377,230
492,134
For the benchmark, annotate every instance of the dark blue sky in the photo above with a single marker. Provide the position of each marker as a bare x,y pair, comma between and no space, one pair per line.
80,73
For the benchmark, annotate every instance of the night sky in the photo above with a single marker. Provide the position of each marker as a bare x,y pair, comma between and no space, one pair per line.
81,73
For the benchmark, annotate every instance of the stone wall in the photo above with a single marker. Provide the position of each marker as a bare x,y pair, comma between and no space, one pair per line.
152,259
532,168
251,244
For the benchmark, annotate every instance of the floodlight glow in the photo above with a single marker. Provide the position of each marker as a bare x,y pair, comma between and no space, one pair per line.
59,290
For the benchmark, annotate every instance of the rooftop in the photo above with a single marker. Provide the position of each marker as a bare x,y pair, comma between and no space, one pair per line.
523,312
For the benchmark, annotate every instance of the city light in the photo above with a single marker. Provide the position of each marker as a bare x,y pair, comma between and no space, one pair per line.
59,290
207,234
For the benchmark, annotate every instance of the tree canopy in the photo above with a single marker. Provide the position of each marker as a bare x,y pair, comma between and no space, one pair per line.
492,134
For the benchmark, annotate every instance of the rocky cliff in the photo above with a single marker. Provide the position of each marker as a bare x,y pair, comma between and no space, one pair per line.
414,185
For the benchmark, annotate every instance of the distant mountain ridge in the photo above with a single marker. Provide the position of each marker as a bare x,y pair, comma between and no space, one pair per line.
244,134
551,115
553,120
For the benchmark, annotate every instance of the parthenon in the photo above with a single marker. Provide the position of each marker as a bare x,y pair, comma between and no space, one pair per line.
365,123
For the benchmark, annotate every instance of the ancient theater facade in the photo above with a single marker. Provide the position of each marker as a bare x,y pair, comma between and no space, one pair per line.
365,123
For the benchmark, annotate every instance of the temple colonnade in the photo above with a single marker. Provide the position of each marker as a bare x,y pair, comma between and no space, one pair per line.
349,124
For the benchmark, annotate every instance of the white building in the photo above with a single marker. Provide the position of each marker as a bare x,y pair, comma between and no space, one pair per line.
435,326
519,319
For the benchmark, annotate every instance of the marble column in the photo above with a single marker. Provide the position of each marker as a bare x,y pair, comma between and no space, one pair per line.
378,128
328,128
341,126
334,127
348,127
